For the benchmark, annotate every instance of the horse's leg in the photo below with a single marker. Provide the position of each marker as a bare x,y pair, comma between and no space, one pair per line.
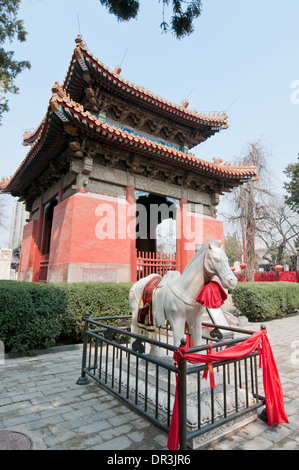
159,315
178,330
134,309
195,325
175,313
177,319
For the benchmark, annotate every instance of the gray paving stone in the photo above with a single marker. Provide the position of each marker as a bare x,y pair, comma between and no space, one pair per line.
289,445
46,422
92,428
20,420
111,432
276,433
59,438
119,443
136,436
256,443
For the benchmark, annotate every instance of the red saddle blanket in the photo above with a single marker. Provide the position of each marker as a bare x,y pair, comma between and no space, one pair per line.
145,319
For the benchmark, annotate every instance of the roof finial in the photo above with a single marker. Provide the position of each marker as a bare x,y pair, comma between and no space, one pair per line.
78,39
56,87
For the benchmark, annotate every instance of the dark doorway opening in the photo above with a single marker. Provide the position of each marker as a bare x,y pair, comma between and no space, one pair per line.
151,211
46,239
47,227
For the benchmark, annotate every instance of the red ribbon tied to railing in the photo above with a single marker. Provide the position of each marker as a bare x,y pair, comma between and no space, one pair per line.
271,381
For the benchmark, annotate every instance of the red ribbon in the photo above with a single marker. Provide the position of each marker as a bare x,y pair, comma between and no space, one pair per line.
212,295
210,370
272,386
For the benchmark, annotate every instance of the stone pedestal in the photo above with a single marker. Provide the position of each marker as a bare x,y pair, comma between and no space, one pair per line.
160,402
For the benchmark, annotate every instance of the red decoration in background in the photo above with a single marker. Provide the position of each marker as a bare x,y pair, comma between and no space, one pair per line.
212,295
278,267
289,276
272,386
243,265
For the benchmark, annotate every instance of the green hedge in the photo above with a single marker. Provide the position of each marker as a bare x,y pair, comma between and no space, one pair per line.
36,315
260,301
31,315
99,299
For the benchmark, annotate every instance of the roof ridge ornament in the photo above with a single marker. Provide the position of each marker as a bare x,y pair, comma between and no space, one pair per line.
116,71
79,39
4,182
56,88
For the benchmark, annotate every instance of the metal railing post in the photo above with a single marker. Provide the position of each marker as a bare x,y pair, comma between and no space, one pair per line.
83,380
183,401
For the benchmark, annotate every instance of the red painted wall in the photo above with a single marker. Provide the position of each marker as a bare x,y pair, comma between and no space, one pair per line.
213,230
28,251
61,234
89,230
195,230
93,218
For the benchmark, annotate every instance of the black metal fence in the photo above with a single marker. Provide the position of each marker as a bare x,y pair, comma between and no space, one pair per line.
123,363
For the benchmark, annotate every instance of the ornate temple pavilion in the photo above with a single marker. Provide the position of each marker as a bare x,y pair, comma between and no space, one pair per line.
104,149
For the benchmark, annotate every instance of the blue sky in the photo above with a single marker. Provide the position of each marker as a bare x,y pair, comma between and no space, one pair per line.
242,59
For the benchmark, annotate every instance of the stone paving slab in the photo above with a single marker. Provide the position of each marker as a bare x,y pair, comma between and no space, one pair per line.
40,398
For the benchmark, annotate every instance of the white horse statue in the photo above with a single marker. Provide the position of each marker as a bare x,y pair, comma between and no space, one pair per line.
175,297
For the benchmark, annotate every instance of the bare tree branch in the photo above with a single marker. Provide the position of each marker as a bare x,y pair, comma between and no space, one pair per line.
265,216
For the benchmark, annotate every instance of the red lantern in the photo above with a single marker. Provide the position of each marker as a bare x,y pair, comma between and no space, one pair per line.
243,265
233,269
278,267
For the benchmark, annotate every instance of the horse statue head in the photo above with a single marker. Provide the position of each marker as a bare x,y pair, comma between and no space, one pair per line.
216,264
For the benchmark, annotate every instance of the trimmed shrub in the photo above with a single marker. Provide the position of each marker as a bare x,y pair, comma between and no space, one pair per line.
99,299
37,315
31,315
260,301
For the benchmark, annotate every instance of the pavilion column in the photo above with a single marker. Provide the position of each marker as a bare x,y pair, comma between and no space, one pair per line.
38,244
131,230
60,195
181,229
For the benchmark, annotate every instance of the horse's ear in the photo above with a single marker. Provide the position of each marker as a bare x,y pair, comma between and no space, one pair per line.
215,244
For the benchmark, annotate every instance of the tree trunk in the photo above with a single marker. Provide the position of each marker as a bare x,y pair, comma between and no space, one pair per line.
280,254
250,234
